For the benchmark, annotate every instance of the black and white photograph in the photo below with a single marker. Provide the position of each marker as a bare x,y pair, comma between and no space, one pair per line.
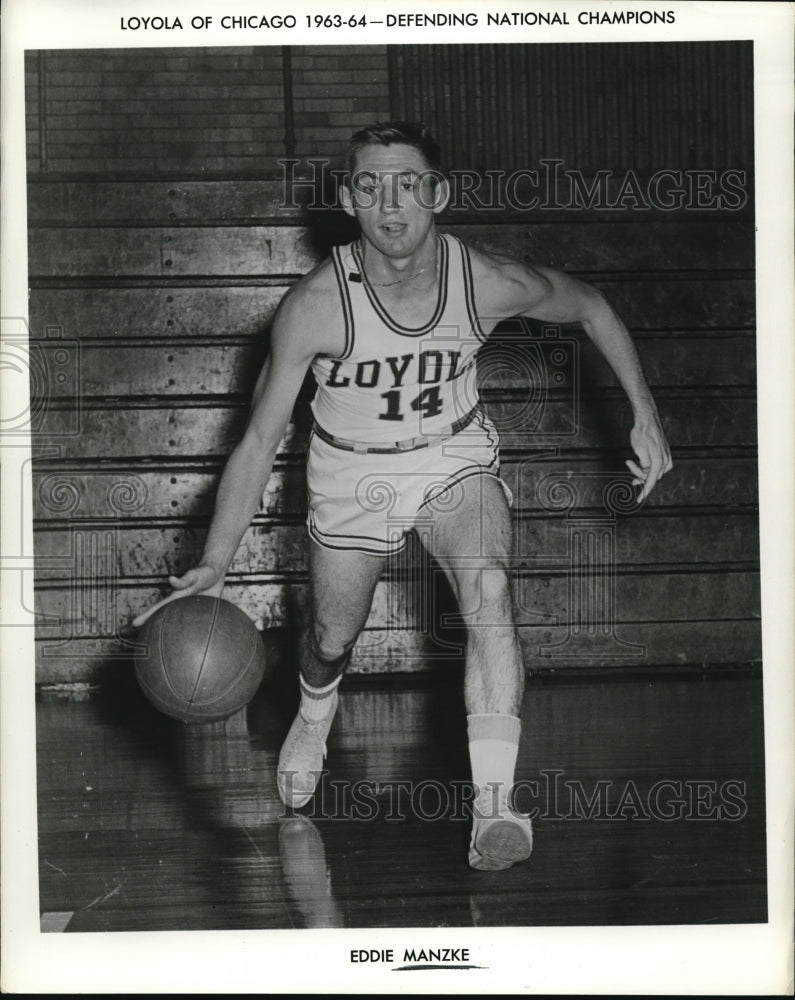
397,498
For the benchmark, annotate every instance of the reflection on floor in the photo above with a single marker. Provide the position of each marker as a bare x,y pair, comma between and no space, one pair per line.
648,798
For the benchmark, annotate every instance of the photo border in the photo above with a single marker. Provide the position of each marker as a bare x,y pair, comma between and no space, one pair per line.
741,958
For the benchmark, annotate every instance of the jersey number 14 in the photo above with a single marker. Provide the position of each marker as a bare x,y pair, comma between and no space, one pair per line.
428,403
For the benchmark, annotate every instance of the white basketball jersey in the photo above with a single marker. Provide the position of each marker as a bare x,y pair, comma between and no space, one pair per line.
394,382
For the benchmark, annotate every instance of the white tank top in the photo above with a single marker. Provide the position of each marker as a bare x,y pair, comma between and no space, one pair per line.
393,382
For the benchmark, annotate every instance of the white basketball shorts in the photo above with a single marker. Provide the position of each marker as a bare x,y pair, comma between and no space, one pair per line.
369,502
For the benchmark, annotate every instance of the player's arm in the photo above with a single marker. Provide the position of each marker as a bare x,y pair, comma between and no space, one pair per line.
555,297
249,466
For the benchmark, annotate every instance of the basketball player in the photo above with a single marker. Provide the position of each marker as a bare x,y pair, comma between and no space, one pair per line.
391,326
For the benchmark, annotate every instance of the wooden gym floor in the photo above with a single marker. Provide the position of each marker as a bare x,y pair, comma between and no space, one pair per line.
649,793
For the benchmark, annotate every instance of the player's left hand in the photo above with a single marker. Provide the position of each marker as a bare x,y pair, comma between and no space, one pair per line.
654,456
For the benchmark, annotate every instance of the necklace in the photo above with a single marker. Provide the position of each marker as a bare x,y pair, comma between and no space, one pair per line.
411,277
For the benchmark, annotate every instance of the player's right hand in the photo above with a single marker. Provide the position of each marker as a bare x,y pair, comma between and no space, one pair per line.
200,580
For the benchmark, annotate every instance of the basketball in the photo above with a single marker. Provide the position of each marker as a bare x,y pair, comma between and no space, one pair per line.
203,659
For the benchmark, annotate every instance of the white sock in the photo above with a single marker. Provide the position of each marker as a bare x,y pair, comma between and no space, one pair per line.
493,749
316,702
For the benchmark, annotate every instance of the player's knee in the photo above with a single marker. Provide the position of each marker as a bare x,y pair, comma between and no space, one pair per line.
489,587
329,645
495,586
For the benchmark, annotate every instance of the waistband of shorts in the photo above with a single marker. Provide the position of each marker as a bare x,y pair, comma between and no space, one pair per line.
393,447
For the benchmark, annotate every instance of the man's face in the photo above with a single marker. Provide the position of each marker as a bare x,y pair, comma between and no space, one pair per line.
394,197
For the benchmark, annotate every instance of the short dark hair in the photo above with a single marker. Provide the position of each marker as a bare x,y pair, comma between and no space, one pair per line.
413,134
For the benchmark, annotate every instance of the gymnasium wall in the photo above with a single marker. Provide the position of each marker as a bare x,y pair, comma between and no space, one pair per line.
196,112
161,240
609,106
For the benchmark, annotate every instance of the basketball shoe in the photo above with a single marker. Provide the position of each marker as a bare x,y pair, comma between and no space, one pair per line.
301,758
499,841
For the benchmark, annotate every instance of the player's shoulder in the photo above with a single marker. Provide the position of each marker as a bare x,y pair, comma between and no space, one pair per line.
310,313
500,278
489,264
315,290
